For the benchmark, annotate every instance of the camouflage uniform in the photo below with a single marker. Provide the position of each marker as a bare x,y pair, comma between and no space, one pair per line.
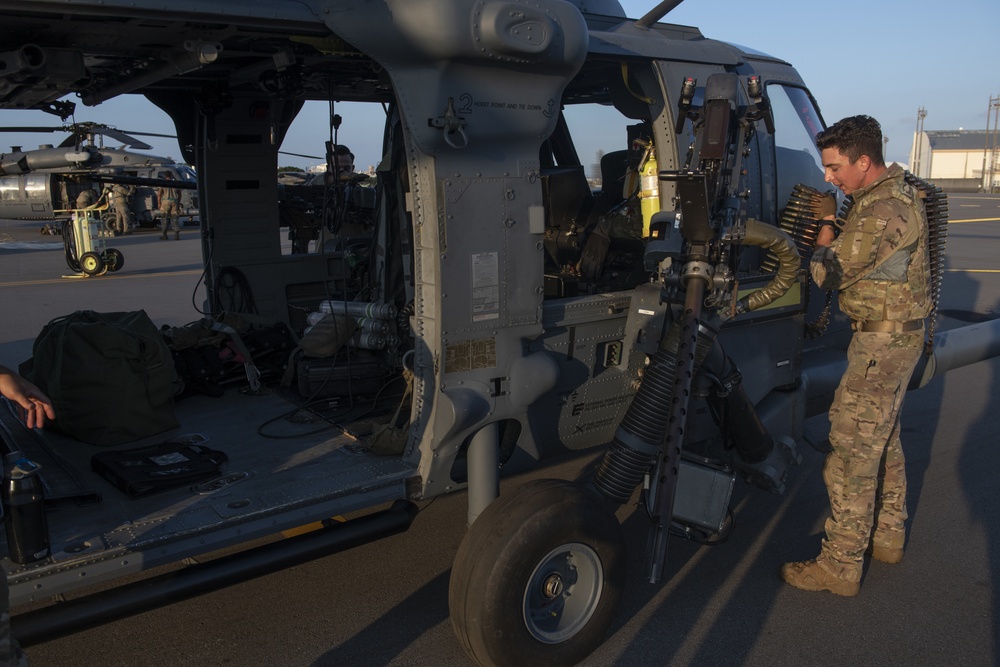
120,196
170,206
880,265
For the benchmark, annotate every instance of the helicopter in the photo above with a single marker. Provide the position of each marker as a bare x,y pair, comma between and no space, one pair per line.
44,183
505,308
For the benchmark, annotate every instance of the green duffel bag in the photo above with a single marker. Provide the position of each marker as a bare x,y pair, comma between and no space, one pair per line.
110,376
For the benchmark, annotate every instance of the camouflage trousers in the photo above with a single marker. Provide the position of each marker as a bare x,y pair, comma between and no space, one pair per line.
171,211
864,473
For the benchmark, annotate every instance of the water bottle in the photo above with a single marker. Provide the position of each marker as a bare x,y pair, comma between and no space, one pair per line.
24,509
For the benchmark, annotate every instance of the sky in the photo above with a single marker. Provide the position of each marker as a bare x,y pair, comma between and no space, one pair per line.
884,58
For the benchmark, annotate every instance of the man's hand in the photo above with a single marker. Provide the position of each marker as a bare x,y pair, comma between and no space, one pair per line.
35,405
824,205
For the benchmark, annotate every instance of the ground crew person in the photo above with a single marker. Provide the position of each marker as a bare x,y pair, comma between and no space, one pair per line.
121,198
880,264
169,199
86,198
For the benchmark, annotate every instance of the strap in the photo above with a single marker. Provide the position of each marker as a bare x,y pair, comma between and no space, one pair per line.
888,326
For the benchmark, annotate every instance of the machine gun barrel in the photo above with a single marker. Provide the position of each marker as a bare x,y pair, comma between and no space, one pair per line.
667,468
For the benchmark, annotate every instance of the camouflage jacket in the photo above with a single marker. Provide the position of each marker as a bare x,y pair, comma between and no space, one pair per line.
880,261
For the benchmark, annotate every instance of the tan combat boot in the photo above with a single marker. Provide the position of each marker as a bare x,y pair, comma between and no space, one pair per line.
163,236
887,554
177,235
812,576
887,550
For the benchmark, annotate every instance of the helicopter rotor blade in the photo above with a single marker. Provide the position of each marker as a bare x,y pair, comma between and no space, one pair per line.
77,130
32,129
123,137
312,157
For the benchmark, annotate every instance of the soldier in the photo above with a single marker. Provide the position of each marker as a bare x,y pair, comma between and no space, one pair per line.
121,198
86,198
169,199
880,264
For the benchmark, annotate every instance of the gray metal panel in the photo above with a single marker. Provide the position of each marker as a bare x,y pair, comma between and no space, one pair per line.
595,384
489,262
628,40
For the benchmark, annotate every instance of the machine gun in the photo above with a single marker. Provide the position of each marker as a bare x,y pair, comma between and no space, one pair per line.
695,249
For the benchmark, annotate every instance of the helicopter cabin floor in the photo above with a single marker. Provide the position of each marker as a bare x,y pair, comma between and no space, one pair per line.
286,467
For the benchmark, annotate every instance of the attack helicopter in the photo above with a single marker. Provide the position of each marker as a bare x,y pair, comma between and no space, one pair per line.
519,311
43,183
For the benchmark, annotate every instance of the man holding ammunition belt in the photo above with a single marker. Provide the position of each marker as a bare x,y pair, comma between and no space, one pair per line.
879,263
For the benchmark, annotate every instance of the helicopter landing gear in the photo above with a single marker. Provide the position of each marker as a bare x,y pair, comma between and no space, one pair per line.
538,577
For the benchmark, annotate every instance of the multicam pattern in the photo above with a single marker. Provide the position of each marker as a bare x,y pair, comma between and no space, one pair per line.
864,427
880,265
880,262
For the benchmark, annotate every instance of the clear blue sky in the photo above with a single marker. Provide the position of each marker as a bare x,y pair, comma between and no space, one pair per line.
882,58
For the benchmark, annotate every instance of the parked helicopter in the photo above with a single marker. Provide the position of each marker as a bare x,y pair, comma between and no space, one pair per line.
44,183
526,314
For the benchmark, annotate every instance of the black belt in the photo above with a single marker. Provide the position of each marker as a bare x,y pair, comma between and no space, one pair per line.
887,326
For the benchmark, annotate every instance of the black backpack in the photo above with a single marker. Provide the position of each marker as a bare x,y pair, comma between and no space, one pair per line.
110,376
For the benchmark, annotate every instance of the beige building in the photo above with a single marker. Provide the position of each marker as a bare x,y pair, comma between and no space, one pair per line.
957,160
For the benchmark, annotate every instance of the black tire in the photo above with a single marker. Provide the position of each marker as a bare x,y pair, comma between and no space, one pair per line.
114,259
92,264
110,221
538,578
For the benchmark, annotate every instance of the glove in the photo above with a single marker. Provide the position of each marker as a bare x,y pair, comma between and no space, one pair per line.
824,204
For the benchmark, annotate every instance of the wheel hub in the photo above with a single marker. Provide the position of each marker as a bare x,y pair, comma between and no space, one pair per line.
563,592
553,586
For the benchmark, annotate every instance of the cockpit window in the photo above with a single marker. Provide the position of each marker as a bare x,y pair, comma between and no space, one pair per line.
9,189
796,124
34,186
186,173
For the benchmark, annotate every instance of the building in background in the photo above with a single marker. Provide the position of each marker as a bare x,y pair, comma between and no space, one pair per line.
958,160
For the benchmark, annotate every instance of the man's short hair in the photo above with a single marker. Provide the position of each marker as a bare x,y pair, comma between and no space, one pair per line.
340,149
854,136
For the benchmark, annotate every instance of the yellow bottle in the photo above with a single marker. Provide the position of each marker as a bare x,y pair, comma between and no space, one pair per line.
649,191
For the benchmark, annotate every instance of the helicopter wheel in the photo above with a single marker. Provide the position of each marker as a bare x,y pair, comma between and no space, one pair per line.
113,259
538,577
92,264
110,221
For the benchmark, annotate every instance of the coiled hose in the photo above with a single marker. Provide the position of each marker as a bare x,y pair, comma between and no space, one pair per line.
781,246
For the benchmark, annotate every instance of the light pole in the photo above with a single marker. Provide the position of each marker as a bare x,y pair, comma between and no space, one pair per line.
921,114
989,152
